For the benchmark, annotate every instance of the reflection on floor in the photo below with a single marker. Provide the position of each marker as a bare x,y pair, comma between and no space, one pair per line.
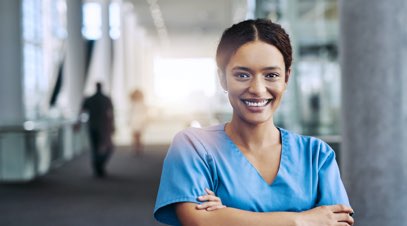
70,195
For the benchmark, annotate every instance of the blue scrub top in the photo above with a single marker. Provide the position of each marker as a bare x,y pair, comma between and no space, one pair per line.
308,175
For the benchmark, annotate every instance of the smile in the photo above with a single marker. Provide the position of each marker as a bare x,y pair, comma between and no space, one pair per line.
256,102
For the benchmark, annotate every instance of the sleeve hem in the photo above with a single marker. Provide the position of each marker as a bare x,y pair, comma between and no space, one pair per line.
172,201
167,216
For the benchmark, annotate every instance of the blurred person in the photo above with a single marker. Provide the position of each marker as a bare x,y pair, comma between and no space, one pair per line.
315,107
138,120
101,128
249,171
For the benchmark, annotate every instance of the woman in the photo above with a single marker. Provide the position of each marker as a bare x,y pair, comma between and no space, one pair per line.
138,120
261,174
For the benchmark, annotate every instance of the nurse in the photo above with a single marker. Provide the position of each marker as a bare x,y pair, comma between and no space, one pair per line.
249,171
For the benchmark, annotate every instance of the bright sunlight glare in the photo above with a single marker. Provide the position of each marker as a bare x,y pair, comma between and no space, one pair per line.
177,80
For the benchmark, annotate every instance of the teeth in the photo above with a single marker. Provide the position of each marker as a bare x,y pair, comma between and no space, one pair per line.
256,104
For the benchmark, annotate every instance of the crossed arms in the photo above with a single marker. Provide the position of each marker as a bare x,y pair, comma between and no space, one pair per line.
213,212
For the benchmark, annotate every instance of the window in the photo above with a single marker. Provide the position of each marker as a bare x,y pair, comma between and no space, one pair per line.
185,83
92,20
32,56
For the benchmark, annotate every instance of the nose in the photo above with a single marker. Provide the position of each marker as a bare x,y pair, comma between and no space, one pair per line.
257,85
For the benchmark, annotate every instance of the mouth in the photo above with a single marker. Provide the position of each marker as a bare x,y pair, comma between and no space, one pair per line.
256,102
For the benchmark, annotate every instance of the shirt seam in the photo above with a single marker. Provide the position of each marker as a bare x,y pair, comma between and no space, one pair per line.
172,201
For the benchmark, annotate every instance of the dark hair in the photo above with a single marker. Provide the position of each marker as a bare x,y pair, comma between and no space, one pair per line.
99,86
251,30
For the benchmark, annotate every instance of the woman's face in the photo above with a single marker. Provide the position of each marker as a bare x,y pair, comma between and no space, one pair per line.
255,79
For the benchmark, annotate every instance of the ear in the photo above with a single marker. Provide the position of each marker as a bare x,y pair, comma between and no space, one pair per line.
287,75
222,79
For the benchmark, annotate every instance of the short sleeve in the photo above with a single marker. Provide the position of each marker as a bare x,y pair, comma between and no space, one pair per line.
185,175
331,190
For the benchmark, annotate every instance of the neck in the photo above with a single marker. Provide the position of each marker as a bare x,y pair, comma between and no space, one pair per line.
253,136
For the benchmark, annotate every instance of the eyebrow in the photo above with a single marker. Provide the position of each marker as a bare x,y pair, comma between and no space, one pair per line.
249,70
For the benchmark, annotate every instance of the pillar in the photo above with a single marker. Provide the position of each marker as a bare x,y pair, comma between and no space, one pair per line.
373,53
106,47
75,59
11,60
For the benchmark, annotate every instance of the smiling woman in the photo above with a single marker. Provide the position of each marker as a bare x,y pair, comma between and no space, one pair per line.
248,171
255,79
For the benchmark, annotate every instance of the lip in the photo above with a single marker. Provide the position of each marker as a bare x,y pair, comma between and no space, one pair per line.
256,105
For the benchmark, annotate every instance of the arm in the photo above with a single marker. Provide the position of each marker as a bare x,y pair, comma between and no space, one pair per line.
188,214
204,214
337,215
82,110
110,115
330,187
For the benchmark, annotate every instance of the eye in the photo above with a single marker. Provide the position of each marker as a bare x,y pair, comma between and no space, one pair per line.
241,75
272,75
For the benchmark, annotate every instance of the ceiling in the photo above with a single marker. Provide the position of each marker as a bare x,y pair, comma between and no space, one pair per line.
184,17
195,24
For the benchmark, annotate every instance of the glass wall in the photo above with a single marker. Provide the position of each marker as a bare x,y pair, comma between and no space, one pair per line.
312,103
33,57
44,31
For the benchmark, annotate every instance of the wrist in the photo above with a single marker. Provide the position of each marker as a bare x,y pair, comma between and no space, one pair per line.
297,219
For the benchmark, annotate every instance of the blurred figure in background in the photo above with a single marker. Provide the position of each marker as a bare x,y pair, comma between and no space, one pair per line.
101,127
138,118
315,107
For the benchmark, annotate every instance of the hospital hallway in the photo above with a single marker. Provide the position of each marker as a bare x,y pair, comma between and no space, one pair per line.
69,195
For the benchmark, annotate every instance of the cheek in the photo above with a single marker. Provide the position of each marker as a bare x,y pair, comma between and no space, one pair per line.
233,97
277,89
235,88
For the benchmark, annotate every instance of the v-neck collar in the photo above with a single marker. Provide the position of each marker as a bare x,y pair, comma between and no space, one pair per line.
283,140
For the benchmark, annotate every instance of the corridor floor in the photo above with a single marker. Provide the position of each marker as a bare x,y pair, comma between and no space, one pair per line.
70,196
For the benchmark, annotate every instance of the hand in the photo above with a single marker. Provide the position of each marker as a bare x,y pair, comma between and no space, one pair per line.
210,201
335,215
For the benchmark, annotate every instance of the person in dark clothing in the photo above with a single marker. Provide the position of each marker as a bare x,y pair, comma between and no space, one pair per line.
101,127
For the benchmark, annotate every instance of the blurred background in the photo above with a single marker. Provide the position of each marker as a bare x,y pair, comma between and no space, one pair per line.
54,51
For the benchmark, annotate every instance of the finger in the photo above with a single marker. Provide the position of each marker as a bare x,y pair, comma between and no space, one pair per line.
208,204
208,198
343,224
215,207
341,209
209,191
344,217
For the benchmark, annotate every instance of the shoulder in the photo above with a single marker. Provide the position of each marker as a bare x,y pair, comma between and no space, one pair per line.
199,134
86,101
303,140
104,97
308,145
199,139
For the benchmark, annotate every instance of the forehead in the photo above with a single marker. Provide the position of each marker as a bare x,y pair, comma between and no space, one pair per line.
257,54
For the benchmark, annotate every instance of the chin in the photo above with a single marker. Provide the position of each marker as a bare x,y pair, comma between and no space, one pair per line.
256,120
